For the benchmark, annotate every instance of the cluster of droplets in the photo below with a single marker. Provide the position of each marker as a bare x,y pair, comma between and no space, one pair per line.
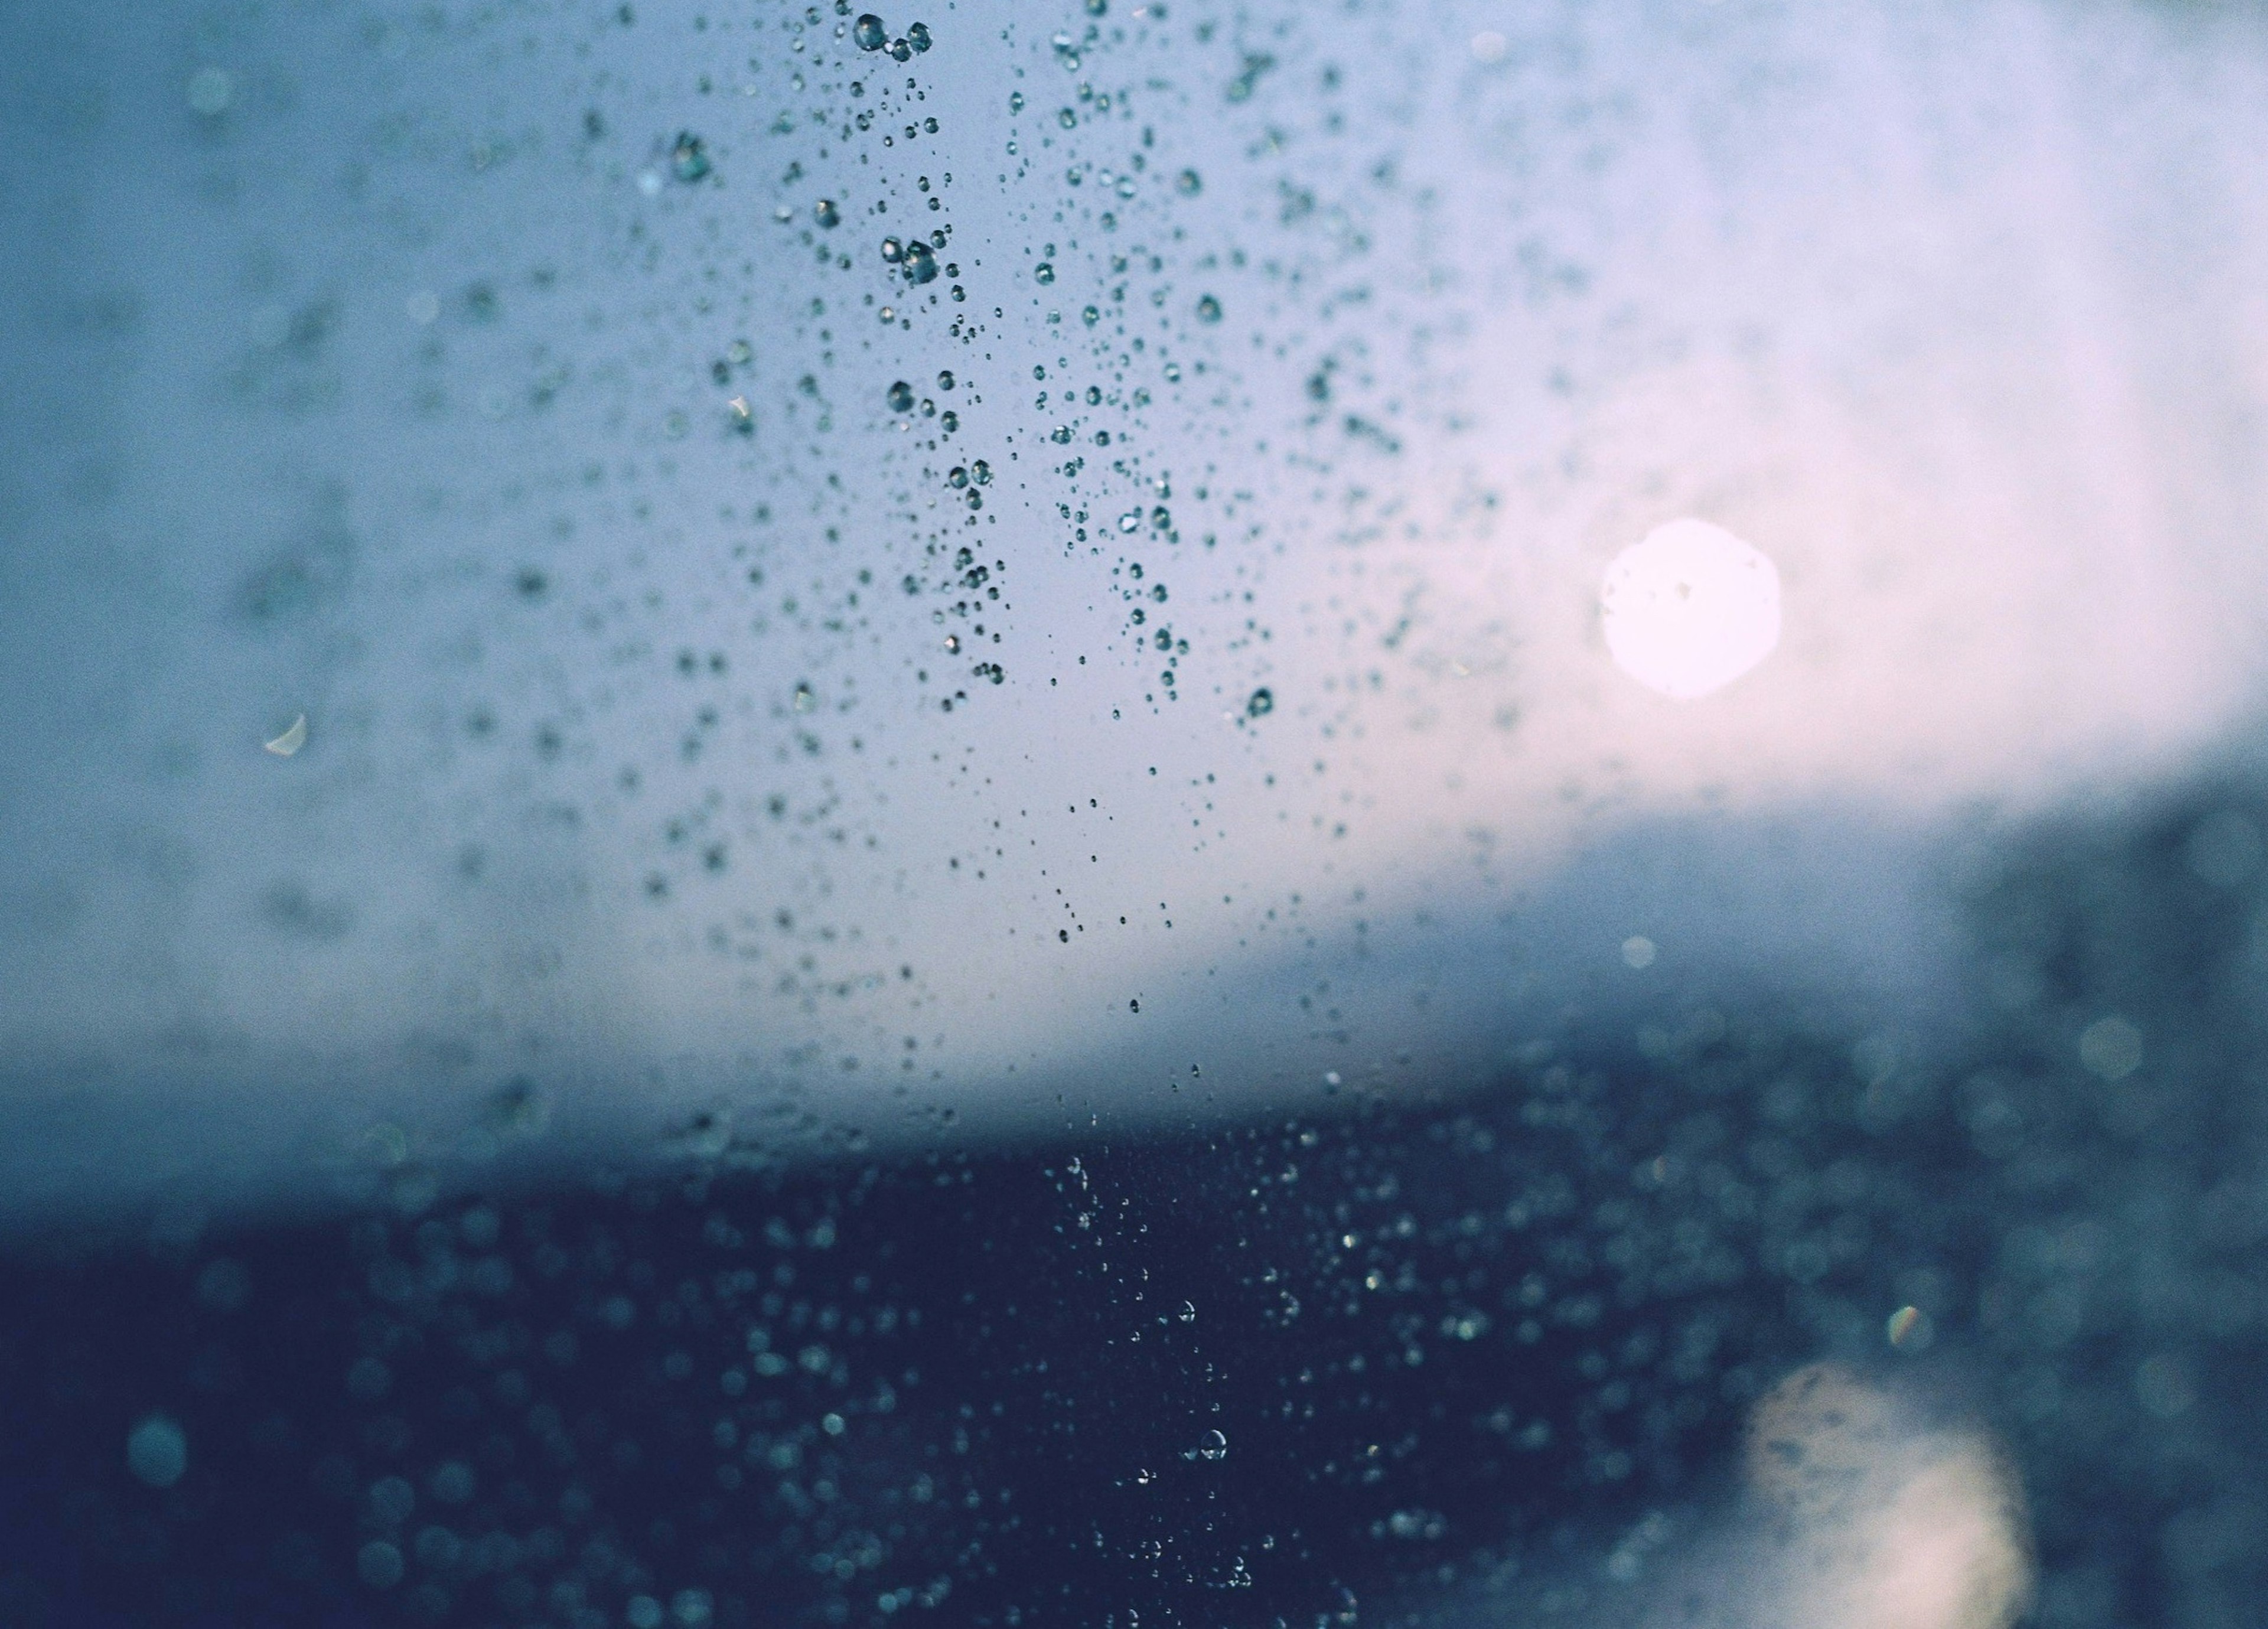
871,33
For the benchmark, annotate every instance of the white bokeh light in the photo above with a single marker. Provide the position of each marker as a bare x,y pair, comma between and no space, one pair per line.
1690,609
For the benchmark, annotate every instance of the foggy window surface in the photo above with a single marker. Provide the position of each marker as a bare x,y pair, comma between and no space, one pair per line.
1127,814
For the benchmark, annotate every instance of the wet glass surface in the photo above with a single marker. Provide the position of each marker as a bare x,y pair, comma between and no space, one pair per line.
1132,815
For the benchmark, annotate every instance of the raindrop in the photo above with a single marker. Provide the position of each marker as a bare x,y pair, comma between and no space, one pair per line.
1067,119
689,160
1213,1446
211,92
902,397
869,33
893,251
1043,274
291,740
826,214
917,36
945,380
920,263
157,1452
1187,184
1208,309
1260,704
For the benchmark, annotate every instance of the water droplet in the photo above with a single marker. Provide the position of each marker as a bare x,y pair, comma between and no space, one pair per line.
1015,101
902,397
291,740
380,1565
957,477
1187,184
1188,1312
804,699
953,644
869,33
893,251
982,471
1213,1445
211,92
918,37
945,380
1131,521
920,263
1208,309
157,1452
1043,274
689,159
1067,119
826,214
1260,703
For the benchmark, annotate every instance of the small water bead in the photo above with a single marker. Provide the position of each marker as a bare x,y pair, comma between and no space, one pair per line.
945,380
1131,521
893,251
900,52
982,471
1212,1446
157,1452
953,643
689,159
1015,101
1090,316
1067,118
1262,703
920,262
1208,309
1187,184
918,37
958,478
826,214
902,397
1043,274
1094,395
869,33
211,92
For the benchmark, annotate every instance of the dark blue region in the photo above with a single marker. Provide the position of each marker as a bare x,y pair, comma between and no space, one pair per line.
1381,1364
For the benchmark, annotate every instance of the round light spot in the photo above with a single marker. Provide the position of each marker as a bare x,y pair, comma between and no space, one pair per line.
211,92
380,1565
1637,950
2111,1048
157,1451
1690,609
